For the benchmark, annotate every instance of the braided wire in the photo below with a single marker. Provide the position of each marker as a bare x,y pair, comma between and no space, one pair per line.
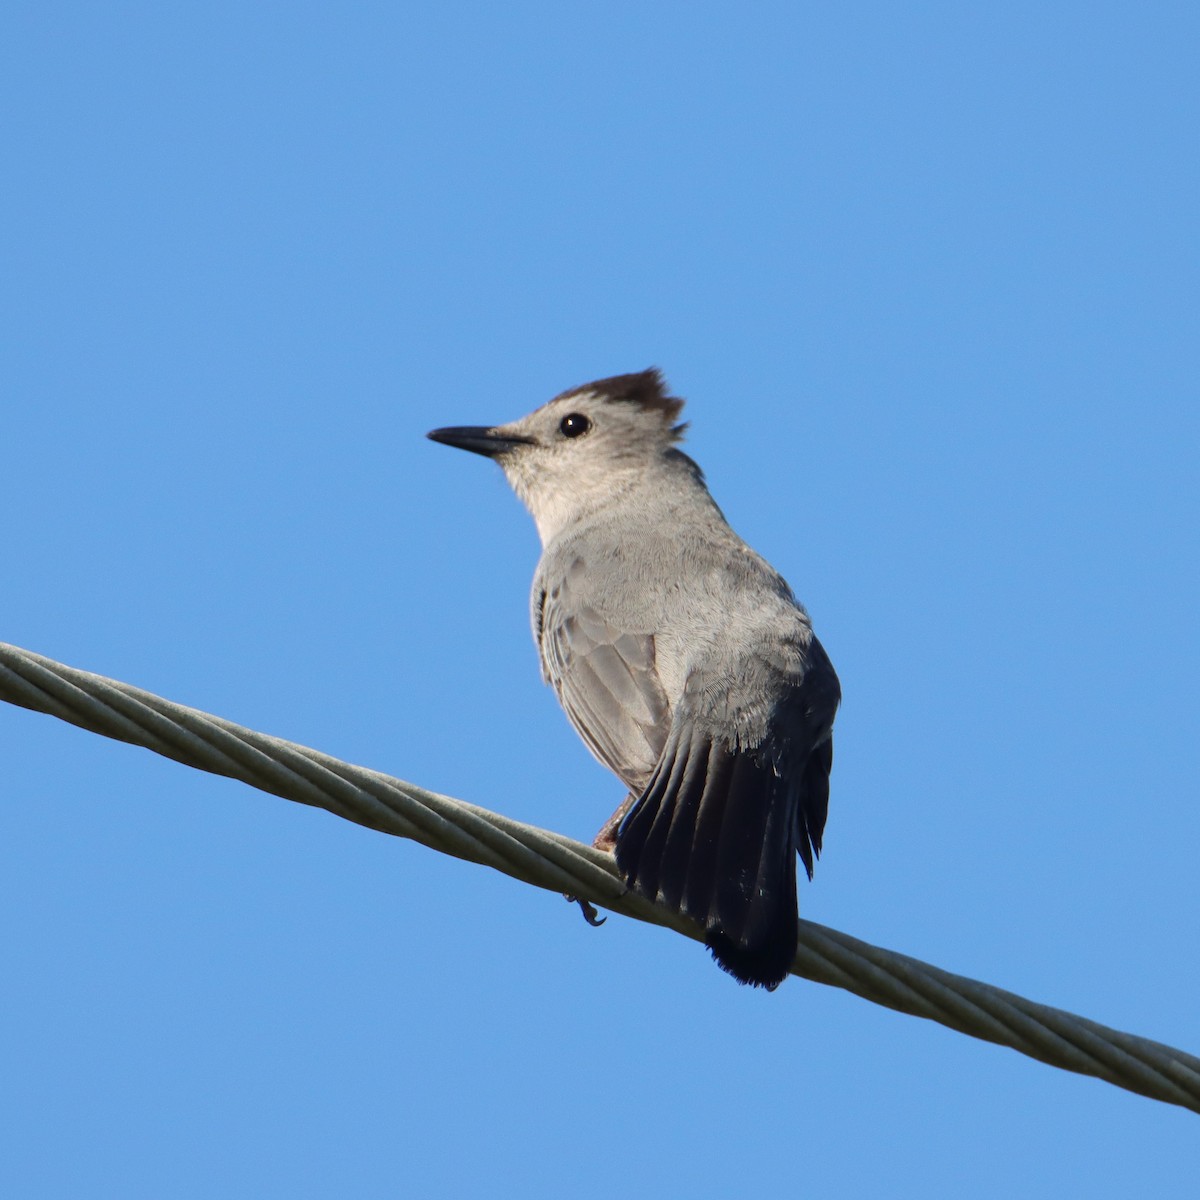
560,864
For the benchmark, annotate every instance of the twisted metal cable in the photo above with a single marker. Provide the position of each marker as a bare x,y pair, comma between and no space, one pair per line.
559,864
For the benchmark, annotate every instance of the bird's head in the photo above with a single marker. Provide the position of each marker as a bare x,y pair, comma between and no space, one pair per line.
582,449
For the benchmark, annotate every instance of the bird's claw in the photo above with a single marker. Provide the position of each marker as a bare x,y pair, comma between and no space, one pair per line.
588,909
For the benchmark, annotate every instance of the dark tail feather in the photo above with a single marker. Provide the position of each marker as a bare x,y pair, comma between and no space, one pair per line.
714,836
814,802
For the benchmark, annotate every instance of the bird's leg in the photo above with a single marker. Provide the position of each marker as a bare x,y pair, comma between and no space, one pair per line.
606,839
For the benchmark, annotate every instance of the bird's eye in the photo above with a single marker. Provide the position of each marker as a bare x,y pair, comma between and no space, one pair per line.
574,425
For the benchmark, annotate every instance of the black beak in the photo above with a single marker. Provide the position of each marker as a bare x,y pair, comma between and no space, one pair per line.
479,439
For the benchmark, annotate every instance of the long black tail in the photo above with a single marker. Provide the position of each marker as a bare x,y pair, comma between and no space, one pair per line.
715,836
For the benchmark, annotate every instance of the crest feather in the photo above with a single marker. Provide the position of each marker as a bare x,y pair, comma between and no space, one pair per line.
647,389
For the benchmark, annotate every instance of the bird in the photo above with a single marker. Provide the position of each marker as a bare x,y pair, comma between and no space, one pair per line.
683,660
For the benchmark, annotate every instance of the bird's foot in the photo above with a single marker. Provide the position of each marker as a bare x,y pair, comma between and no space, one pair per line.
589,911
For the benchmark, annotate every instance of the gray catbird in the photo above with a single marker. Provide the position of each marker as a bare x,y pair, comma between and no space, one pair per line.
683,660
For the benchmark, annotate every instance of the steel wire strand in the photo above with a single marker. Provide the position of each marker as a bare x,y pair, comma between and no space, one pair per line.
559,864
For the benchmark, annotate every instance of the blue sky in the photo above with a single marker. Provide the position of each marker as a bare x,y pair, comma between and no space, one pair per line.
927,276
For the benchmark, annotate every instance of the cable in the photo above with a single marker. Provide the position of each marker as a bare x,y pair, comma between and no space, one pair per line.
560,864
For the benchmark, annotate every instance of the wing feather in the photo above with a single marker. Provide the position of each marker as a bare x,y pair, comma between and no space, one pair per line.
606,681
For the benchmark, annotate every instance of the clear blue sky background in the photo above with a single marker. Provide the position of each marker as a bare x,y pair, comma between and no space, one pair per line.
928,278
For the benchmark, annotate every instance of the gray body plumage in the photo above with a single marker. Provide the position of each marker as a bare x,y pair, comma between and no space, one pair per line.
682,659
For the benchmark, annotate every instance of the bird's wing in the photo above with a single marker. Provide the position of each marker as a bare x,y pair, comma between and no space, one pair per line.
605,678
